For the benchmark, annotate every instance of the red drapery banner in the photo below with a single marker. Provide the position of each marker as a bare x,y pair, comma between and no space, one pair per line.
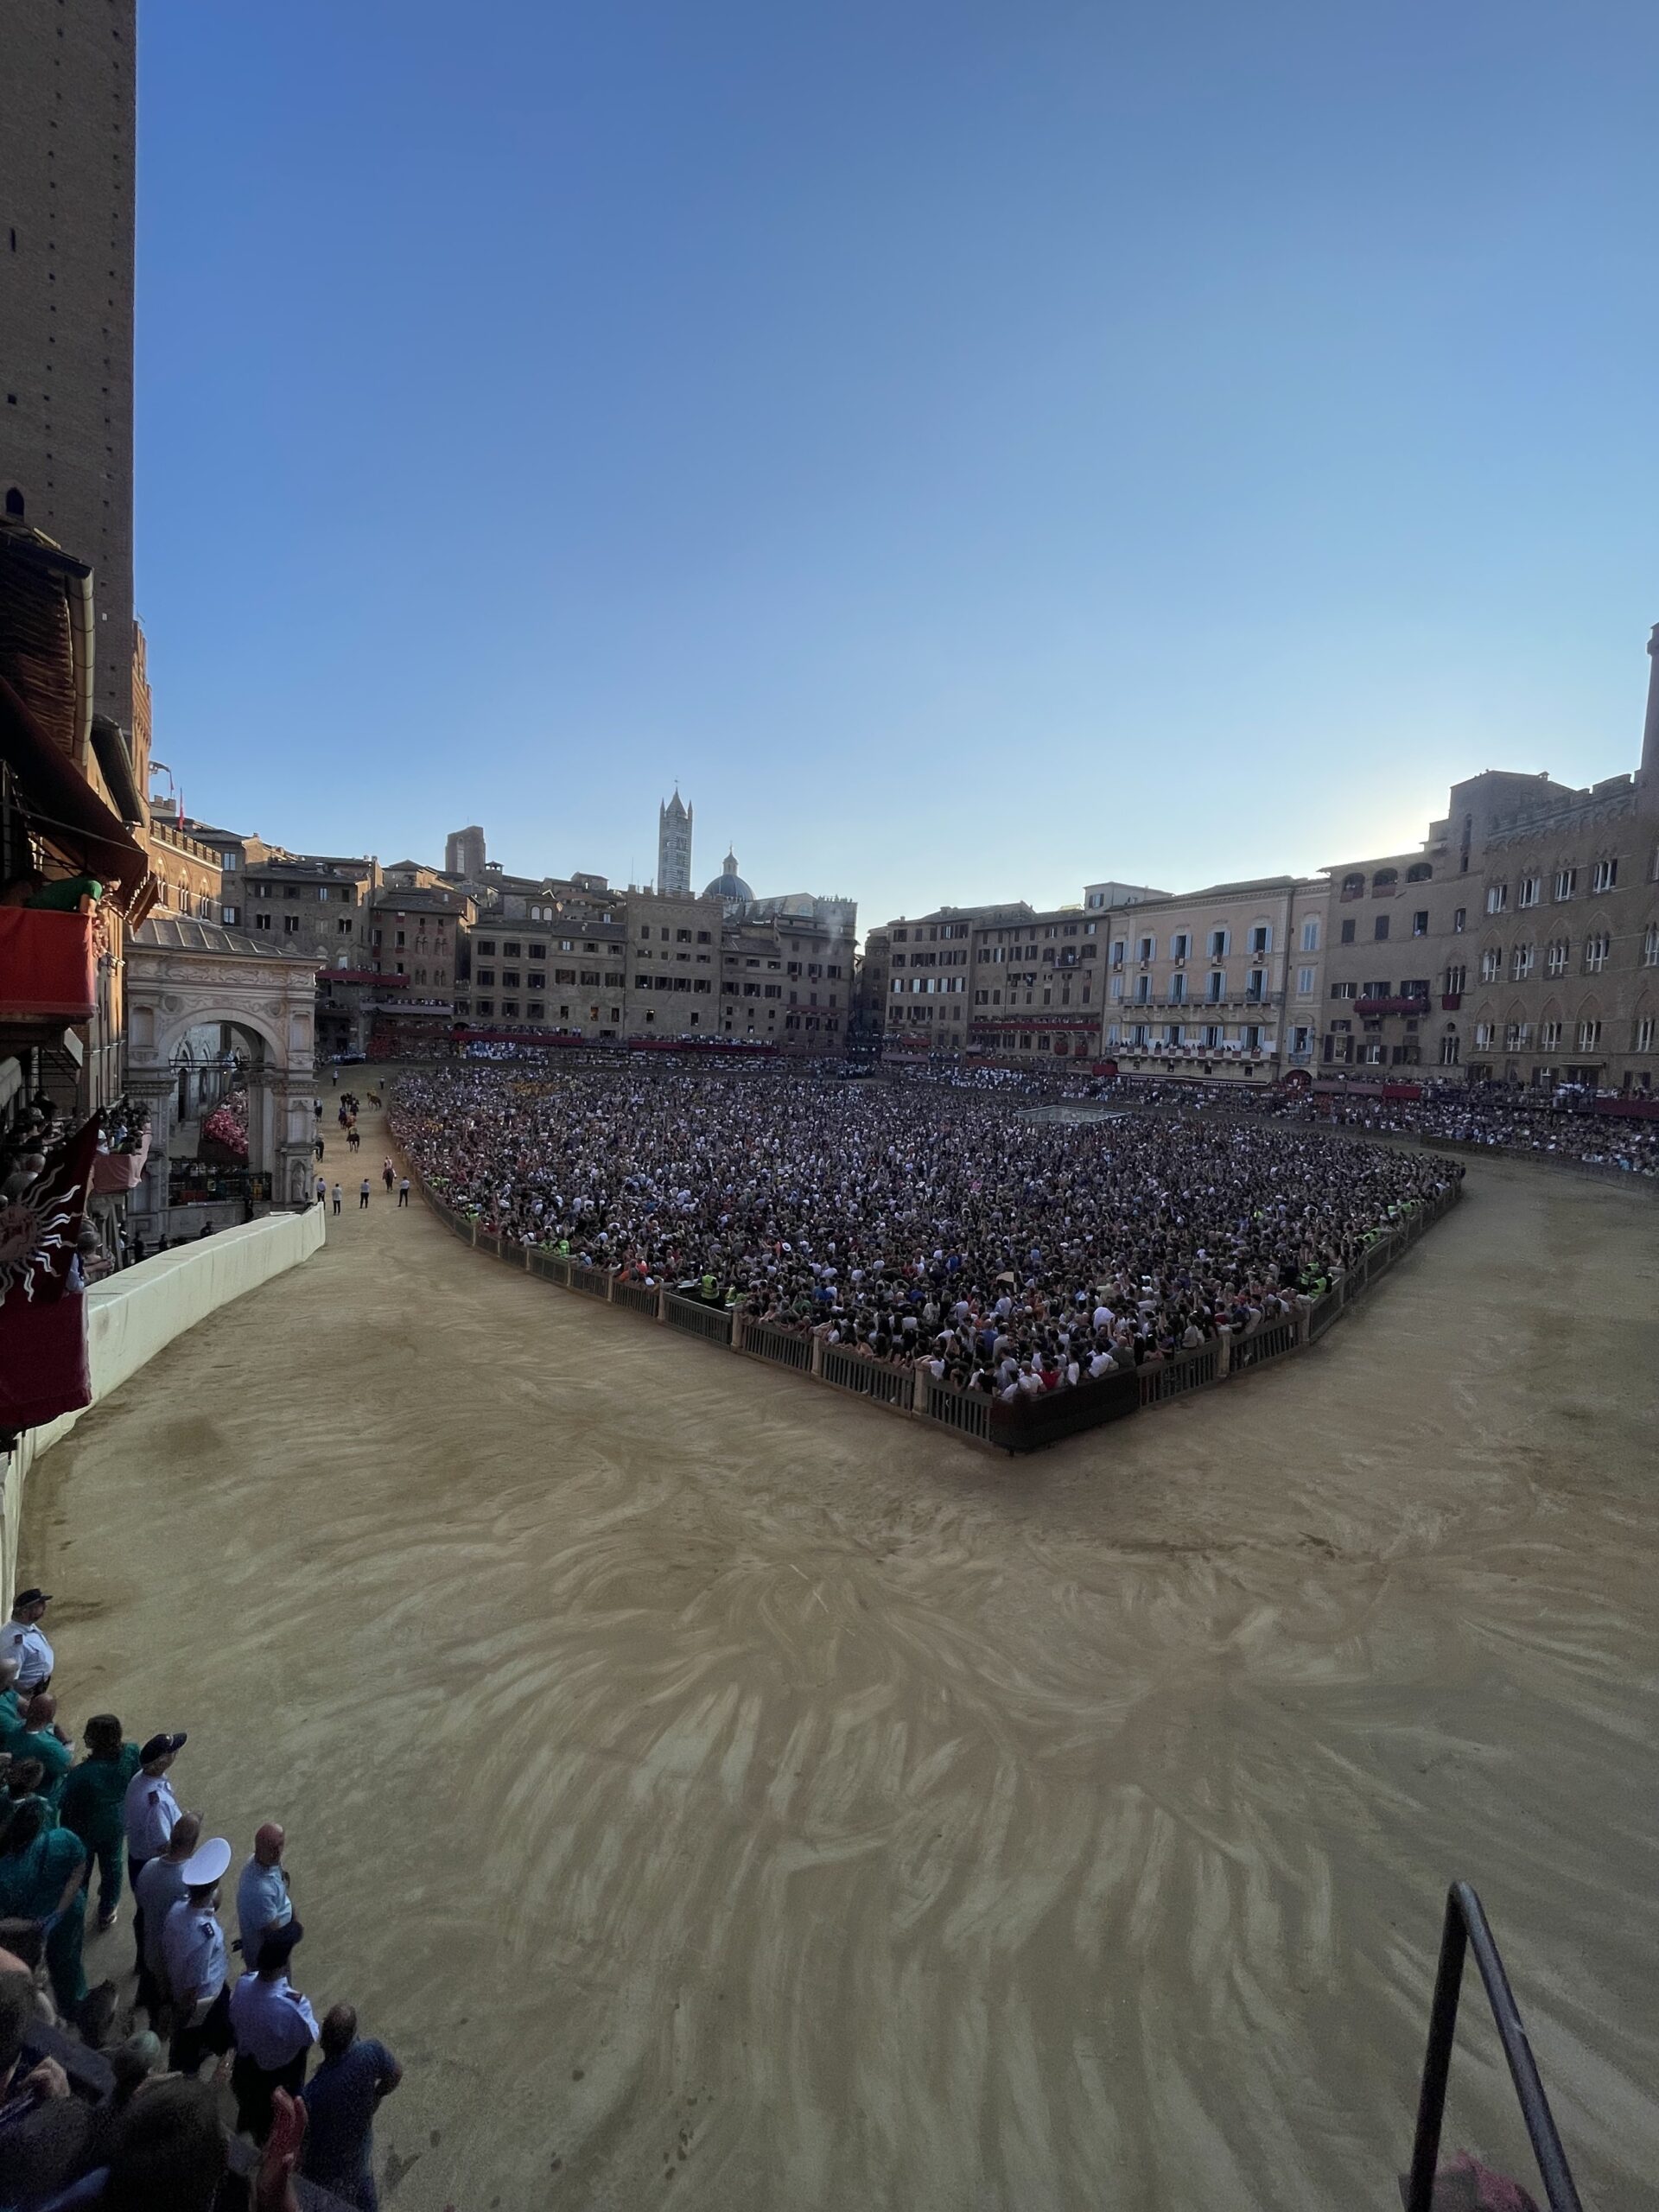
43,1364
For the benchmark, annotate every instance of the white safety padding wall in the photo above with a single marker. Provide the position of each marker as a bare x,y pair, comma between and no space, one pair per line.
134,1314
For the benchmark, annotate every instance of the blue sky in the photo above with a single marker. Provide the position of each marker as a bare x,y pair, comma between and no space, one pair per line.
976,448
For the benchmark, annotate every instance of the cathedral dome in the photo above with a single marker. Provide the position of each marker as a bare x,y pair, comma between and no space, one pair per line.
730,886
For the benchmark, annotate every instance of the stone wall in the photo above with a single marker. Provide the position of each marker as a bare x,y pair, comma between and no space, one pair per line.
137,1313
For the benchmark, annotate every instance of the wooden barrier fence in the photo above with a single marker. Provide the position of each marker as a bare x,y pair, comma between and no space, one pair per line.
1019,1425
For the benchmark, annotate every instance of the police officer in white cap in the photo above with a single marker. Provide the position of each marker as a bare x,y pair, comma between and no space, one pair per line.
198,1964
24,1640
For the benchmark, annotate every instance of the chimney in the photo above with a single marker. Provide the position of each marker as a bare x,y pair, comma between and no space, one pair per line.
1650,727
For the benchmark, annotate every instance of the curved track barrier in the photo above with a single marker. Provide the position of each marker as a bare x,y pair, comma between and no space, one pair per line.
1021,1425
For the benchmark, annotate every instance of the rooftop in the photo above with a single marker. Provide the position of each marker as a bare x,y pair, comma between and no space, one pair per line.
179,934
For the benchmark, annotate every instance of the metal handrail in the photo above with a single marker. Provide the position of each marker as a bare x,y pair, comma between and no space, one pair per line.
1466,1928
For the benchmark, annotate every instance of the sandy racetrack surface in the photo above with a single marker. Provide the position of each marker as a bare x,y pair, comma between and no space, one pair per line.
723,1794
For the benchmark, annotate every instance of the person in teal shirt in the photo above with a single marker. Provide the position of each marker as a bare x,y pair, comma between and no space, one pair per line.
23,1779
91,1804
11,1707
42,1877
38,1738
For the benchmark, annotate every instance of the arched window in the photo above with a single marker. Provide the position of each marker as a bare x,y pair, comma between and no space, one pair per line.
14,503
1419,871
1353,887
1385,879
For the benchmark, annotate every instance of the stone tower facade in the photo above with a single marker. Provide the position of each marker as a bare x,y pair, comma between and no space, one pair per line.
674,847
65,300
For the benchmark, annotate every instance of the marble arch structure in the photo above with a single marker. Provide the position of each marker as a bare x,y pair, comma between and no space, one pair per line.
184,974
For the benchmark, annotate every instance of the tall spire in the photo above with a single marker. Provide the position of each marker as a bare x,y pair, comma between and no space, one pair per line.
674,845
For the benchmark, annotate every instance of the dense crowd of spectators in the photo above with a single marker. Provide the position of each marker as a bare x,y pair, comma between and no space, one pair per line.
157,2139
908,1221
1561,1125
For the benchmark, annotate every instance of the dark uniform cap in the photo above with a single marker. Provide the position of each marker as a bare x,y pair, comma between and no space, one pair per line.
158,1744
278,1947
30,1598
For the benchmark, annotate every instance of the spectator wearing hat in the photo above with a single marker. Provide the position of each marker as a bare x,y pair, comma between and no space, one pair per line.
341,2100
263,1903
148,1812
198,1965
24,1640
274,2027
91,1803
158,1889
38,1738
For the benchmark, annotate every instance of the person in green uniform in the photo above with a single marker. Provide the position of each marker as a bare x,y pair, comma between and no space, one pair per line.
42,1877
12,1708
91,1804
23,1780
38,1738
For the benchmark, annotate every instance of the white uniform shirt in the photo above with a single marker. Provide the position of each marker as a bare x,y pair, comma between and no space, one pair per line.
148,1813
24,1642
160,1886
272,2023
193,1950
262,1902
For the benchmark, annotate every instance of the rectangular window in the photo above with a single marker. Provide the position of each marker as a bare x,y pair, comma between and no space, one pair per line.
1549,1035
1641,1034
1566,882
1304,982
1348,932
1456,979
290,925
1419,922
1650,945
1497,897
1458,921
1380,928
1528,895
1589,1036
1310,934
1261,938
1605,876
262,921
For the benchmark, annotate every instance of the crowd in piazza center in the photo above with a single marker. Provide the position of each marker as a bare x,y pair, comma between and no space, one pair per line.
911,1222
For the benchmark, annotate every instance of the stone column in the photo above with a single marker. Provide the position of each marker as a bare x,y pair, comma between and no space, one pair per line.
158,1089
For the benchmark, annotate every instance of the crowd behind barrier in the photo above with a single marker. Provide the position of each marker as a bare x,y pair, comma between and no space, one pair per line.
90,2115
921,1250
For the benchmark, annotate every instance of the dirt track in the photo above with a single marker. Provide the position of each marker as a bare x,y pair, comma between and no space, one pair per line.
693,1774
